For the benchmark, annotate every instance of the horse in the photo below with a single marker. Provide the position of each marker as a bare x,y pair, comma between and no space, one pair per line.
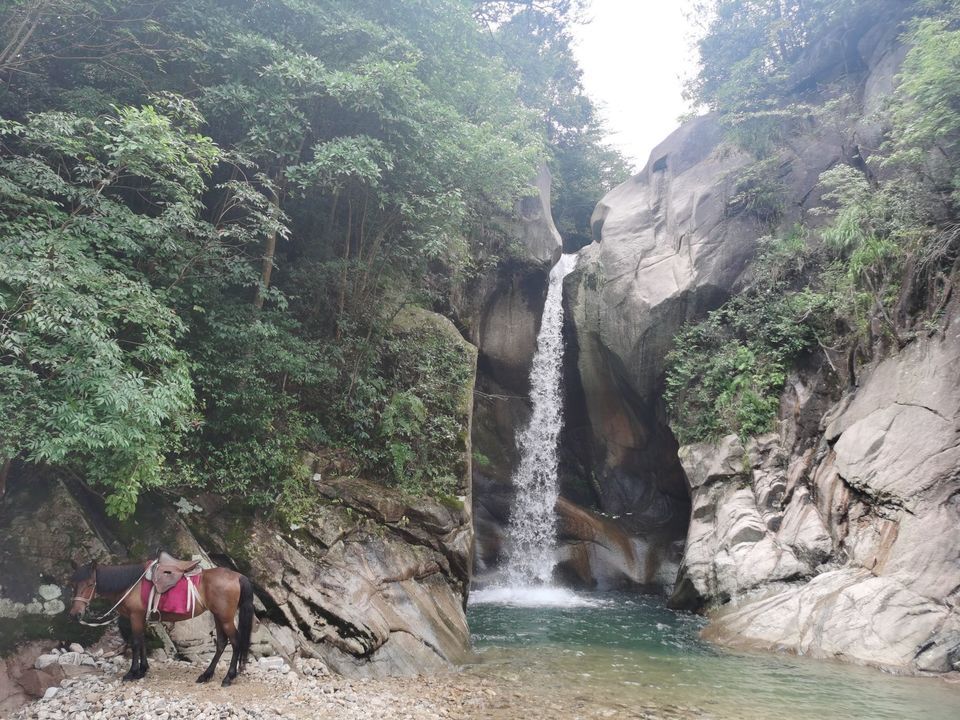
221,591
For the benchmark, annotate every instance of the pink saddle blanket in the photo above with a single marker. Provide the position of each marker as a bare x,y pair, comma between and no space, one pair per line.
175,600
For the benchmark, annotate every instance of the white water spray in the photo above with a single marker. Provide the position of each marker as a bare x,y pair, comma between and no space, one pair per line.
532,529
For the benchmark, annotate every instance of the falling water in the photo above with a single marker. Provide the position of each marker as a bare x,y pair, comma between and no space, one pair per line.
532,529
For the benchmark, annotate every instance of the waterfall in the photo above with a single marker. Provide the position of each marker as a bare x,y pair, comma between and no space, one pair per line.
532,529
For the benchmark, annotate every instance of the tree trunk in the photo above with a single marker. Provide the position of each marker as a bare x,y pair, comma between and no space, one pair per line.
4,472
266,270
342,300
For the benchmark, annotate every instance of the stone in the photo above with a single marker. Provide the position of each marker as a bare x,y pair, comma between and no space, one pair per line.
274,662
70,658
539,234
9,608
874,522
50,693
53,607
846,614
708,462
49,592
76,647
45,660
35,682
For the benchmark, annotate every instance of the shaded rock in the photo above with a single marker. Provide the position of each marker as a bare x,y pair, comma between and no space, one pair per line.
47,533
599,553
538,232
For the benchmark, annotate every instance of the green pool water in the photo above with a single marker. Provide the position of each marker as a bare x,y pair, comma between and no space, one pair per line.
630,651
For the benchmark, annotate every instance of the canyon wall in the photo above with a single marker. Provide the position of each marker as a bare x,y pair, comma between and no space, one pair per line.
837,535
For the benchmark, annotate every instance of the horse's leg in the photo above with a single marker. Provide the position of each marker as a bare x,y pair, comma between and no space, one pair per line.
144,666
221,644
231,632
136,645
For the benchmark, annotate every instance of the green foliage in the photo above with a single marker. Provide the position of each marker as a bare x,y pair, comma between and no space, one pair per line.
195,292
725,373
90,367
749,49
889,246
926,114
535,41
758,190
404,416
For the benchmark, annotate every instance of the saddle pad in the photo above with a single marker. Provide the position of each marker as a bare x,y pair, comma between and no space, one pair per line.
175,599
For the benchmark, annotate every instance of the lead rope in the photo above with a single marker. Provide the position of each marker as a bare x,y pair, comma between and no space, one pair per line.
98,622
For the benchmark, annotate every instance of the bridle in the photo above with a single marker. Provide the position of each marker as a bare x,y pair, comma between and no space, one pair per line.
93,591
102,620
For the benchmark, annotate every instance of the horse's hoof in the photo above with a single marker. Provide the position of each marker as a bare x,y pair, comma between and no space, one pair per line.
131,676
227,681
204,676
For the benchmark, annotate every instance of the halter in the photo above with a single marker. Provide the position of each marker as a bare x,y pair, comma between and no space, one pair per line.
101,621
93,592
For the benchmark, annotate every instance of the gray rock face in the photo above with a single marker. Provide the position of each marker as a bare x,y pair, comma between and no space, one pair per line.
675,241
865,529
665,249
372,583
745,531
538,233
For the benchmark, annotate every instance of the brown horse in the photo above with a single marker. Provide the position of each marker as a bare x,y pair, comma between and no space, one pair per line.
221,591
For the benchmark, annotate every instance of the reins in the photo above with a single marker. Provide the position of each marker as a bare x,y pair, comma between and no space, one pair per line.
100,622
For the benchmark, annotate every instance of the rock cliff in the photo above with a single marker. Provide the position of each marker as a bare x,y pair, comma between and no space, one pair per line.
846,547
503,320
835,537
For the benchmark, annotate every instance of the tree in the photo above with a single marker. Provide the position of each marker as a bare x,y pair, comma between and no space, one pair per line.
535,41
91,374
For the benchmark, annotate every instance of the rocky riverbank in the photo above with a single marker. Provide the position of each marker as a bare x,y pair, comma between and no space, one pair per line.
269,690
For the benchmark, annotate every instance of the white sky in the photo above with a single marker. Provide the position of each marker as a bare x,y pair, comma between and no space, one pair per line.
635,55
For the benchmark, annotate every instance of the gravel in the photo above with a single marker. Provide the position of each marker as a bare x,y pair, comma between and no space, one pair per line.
269,690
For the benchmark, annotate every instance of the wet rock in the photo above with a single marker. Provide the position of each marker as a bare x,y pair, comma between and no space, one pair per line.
597,552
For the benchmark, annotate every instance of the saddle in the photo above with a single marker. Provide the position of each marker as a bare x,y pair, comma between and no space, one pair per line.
166,571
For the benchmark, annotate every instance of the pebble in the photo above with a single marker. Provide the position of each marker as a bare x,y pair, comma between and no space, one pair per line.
270,690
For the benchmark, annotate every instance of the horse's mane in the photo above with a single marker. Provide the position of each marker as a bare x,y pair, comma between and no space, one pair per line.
111,578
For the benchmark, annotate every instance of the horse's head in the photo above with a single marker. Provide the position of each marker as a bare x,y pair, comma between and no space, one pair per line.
84,583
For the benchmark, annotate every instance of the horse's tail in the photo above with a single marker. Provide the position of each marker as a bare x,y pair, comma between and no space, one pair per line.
246,619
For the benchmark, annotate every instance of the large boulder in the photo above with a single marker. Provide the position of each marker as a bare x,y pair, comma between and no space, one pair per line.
849,549
372,581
